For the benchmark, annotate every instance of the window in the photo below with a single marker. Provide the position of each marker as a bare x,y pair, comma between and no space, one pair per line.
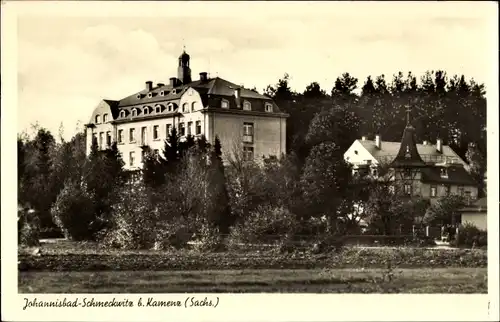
122,113
97,119
247,106
162,93
444,173
170,107
169,129
158,109
461,191
134,112
131,137
143,135
104,118
248,132
248,153
269,107
108,139
139,96
101,139
150,95
374,172
190,125
131,158
156,132
193,106
145,110
120,136
182,129
198,127
407,189
468,197
433,191
185,108
224,104
448,190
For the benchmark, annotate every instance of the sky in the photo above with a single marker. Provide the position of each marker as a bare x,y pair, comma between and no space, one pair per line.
67,61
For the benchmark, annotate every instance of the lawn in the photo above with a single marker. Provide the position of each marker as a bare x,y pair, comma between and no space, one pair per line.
351,280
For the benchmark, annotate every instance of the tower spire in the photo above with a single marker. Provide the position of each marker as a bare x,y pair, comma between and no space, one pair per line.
408,111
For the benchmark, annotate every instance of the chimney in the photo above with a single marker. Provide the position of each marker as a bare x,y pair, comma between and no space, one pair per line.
237,95
439,146
363,138
203,76
149,85
173,81
378,142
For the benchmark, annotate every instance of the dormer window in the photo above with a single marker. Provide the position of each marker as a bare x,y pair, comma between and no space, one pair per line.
224,104
162,93
269,107
444,173
97,119
145,110
247,106
158,109
150,95
170,107
122,113
134,112
139,96
104,118
174,91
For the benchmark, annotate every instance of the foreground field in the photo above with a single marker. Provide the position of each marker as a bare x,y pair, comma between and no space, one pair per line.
438,280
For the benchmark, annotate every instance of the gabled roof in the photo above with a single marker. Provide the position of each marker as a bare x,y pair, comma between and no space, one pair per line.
211,86
455,175
428,152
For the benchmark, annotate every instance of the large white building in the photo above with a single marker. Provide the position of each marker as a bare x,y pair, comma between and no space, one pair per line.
242,119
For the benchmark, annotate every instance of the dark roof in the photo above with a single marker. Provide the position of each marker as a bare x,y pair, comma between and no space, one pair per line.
113,105
408,155
457,175
212,86
480,205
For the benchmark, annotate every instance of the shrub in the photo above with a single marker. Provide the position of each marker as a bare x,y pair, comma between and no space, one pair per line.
133,220
172,233
266,224
469,236
209,239
28,228
73,213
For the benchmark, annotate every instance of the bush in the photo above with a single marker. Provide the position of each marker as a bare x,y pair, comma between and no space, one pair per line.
470,236
74,214
28,228
133,220
172,233
266,224
209,239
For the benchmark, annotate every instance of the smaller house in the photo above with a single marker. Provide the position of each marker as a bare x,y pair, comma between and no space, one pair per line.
475,213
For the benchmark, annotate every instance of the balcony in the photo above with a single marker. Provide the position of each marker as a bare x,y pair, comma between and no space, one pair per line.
248,138
427,158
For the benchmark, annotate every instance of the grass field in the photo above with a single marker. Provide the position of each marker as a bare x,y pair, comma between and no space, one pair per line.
436,280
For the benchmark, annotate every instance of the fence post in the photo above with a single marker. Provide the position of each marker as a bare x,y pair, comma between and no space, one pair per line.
427,231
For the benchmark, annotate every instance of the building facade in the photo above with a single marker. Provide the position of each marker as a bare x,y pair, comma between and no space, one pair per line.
244,120
426,170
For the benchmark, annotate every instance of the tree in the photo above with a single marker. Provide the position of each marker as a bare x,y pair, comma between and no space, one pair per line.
153,173
314,91
444,211
324,177
338,125
477,166
219,212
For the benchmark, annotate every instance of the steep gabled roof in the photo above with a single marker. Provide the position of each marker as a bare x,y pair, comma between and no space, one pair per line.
408,155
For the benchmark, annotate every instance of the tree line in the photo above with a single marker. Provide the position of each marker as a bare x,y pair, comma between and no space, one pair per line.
186,190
